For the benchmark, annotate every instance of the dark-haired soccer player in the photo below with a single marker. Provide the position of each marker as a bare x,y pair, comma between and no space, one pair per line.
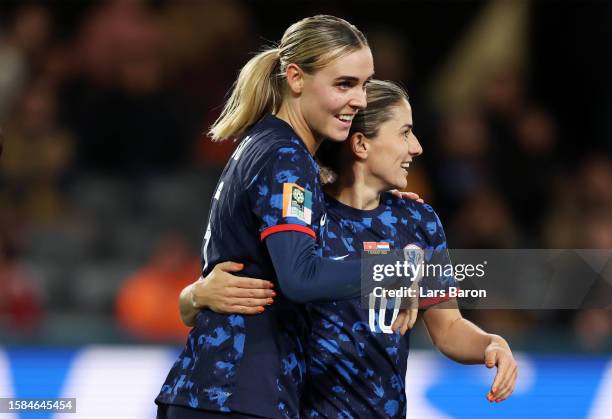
356,365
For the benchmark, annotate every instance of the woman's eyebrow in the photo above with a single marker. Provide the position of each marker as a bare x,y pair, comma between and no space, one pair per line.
353,78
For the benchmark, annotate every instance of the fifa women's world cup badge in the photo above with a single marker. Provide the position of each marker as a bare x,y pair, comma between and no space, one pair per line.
297,202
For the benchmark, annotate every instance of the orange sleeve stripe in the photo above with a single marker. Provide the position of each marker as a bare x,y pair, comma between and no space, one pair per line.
287,227
427,302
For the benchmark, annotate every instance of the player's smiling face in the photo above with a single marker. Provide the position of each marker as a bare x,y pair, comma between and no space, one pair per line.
392,151
332,96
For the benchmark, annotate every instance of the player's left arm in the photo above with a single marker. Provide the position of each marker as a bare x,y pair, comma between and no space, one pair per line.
464,342
458,338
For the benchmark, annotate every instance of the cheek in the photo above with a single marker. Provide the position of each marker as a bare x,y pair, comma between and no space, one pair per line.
403,150
384,162
326,98
332,102
395,156
396,152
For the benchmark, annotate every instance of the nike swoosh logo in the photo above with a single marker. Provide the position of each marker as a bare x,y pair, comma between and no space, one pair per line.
323,219
339,257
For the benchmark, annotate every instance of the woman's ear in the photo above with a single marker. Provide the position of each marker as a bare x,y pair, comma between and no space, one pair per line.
295,78
359,145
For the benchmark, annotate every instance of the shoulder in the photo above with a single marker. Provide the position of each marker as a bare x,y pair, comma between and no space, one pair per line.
285,162
288,156
273,137
422,218
269,140
267,152
416,211
291,149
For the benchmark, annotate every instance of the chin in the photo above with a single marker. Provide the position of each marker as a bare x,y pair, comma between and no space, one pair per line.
337,136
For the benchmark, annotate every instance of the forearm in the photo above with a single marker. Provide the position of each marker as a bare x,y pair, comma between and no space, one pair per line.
458,338
466,343
187,311
304,277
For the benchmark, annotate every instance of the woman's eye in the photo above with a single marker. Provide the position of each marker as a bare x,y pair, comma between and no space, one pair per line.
345,85
407,135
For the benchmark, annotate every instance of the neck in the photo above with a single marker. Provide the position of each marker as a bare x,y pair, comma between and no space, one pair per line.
295,119
352,189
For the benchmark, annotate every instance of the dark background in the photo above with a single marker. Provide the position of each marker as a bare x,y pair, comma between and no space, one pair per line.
106,175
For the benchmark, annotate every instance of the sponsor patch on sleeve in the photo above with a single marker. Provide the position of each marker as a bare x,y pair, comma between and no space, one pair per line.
297,202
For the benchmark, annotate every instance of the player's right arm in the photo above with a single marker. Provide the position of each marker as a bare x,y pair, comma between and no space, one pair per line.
281,198
223,292
286,200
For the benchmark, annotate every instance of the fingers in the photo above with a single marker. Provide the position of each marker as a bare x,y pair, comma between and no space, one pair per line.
410,195
245,282
406,195
399,322
501,372
247,302
229,266
410,319
490,358
507,388
508,371
405,320
242,282
505,379
249,293
226,309
396,193
405,324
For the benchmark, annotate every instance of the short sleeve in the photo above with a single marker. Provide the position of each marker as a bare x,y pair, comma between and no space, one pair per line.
439,278
281,194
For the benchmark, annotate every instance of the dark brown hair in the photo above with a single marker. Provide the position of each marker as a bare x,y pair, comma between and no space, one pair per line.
381,97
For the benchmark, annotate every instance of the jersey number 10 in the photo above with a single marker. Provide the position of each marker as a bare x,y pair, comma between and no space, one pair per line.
382,313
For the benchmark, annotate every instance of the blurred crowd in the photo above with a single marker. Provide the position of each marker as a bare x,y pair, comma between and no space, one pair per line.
105,174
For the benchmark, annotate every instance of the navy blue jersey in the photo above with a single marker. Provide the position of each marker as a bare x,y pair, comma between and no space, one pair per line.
356,364
252,364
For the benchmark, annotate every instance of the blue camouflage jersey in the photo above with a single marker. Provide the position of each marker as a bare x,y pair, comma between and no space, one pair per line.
356,365
252,364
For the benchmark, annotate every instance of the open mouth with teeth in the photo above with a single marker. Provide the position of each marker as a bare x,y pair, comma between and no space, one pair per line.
405,166
345,117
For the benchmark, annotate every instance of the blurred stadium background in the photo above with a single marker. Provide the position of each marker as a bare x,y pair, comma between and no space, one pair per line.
105,180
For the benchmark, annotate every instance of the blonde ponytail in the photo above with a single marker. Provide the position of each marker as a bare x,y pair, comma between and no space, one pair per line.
256,92
312,43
